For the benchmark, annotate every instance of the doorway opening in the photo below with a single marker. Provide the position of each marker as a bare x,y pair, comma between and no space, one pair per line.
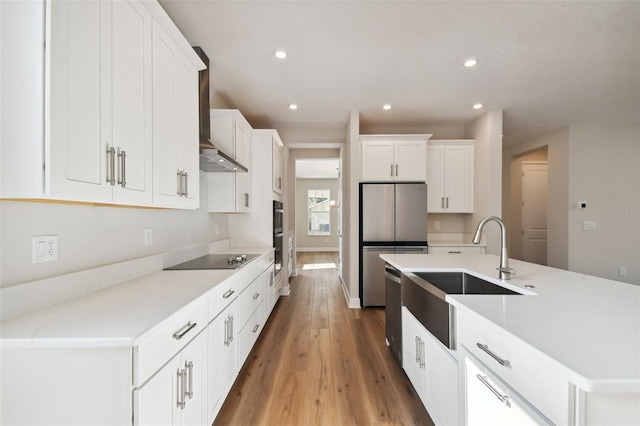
529,200
317,207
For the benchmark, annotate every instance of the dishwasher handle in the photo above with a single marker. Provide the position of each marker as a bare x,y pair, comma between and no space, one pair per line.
392,274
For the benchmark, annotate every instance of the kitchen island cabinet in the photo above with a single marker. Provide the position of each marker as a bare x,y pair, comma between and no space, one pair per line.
132,353
566,375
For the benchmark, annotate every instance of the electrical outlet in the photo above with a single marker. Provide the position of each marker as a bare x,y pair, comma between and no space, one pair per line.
148,237
622,271
436,224
44,248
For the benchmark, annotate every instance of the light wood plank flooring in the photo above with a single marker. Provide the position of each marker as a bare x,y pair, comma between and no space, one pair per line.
318,362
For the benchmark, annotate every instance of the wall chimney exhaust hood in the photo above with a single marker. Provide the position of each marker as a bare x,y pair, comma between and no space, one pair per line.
211,158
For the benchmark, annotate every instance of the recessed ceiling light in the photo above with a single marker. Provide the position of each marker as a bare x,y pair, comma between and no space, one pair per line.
471,62
386,106
293,106
477,106
280,54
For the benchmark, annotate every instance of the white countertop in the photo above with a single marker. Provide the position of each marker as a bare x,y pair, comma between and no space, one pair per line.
586,328
120,315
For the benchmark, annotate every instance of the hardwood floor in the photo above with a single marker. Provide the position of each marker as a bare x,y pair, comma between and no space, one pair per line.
318,362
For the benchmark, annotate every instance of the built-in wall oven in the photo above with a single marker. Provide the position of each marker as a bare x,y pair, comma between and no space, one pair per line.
278,235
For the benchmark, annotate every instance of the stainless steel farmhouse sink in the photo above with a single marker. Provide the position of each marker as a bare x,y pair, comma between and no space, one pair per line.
423,293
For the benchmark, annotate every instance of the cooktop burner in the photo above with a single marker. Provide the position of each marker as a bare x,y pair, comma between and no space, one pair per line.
216,261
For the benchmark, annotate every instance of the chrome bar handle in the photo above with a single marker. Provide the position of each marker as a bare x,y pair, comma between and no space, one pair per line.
189,367
391,174
226,332
246,199
184,330
442,202
231,332
485,348
180,388
422,354
396,170
122,178
503,398
447,202
186,184
417,351
111,166
255,296
256,327
179,191
228,294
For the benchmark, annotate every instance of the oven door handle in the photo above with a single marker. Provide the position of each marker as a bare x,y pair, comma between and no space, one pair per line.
279,234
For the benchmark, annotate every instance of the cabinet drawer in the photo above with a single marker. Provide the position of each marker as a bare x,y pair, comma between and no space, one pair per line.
249,300
221,296
455,250
249,334
517,366
167,339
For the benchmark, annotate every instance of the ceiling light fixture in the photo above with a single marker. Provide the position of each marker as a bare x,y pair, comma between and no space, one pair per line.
471,62
280,54
477,106
293,107
386,107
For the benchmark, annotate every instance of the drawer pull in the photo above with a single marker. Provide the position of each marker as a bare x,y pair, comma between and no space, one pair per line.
184,330
503,398
228,294
485,348
455,252
256,327
255,296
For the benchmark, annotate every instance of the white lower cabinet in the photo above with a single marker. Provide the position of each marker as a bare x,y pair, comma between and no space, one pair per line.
176,394
432,370
491,402
223,367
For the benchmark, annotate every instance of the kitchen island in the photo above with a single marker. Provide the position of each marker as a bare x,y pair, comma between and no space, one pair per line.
581,329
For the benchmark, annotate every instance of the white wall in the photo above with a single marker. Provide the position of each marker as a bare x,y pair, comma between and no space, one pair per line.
604,168
91,236
315,242
487,131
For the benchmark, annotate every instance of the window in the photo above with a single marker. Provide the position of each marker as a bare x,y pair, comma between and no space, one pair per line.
319,212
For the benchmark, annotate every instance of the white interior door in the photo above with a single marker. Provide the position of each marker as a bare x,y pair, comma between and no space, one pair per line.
534,212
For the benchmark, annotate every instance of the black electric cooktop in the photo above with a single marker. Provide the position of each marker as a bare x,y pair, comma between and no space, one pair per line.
215,261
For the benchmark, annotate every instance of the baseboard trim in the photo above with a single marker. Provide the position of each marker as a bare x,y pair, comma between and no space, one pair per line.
352,302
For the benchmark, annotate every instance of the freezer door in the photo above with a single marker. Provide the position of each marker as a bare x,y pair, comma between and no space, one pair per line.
378,216
373,279
411,212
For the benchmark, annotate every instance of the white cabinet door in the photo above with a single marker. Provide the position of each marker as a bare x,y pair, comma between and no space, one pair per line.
377,160
410,160
78,116
399,159
277,154
442,383
175,395
413,353
450,169
132,85
175,126
222,362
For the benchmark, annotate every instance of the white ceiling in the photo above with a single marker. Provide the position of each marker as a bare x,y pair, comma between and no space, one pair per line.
546,64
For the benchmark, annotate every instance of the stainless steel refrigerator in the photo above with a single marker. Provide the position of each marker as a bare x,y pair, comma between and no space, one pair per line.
393,219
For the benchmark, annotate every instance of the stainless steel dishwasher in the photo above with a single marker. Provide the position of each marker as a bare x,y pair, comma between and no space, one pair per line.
393,310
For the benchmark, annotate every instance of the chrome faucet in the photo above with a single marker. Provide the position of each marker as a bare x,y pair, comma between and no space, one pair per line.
505,271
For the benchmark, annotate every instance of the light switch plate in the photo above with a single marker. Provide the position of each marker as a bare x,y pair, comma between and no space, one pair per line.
44,248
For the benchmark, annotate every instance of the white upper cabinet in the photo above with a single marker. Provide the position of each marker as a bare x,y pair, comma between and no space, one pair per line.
277,154
394,158
231,192
175,131
450,176
90,83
